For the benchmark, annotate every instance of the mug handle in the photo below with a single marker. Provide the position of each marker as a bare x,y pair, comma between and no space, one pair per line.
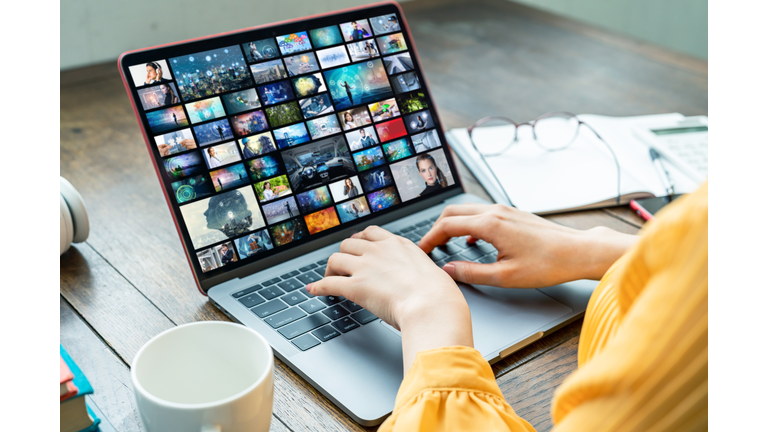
210,428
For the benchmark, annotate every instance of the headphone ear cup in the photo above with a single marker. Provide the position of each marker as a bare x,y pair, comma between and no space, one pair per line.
76,210
66,228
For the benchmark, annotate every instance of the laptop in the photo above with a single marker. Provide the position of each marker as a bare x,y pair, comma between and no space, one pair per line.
272,145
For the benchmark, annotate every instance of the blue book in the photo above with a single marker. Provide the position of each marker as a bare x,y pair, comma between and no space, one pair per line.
74,414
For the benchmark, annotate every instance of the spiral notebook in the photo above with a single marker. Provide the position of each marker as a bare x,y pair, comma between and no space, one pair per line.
583,176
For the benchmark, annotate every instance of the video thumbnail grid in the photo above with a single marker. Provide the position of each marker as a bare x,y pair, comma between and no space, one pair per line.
258,111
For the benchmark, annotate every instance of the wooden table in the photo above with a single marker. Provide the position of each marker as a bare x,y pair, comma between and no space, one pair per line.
131,280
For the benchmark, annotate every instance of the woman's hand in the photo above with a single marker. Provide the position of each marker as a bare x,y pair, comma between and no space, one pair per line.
188,143
394,279
533,252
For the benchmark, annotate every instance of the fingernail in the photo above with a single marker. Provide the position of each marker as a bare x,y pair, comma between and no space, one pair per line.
309,288
450,268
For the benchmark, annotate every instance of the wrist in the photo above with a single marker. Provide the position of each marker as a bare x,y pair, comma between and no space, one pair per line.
601,247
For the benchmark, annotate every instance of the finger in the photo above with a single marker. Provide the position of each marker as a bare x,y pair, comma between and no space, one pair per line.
478,226
354,246
474,273
374,233
341,264
331,285
464,210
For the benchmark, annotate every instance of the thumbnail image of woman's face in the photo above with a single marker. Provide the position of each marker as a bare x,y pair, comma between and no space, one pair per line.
165,89
428,171
348,117
226,208
267,186
212,152
348,183
151,72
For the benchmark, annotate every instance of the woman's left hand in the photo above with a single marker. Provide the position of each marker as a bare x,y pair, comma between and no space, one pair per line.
394,279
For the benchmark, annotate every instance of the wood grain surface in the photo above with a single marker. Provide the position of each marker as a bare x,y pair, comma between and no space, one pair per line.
131,280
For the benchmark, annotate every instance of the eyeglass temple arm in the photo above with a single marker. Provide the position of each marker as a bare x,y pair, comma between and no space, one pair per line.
615,161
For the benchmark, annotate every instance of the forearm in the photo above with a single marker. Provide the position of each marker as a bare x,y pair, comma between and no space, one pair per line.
435,324
600,247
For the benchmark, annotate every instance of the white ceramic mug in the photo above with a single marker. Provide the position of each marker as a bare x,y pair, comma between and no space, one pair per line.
207,376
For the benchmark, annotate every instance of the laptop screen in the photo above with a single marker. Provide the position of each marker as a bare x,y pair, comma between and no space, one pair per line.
269,138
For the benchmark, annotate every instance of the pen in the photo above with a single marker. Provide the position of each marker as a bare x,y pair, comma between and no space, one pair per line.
666,180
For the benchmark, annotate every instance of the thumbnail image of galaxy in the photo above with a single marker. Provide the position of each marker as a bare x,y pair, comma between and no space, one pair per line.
268,71
220,155
322,220
362,50
315,199
273,188
316,105
376,179
309,85
325,36
398,63
260,50
293,43
164,120
419,122
384,110
412,102
422,175
359,83
383,199
353,209
256,145
211,133
284,114
399,149
390,130
184,165
318,163
368,159
405,82
175,142
211,72
331,57
264,167
249,124
301,64
356,30
229,177
281,210
238,102
192,188
362,138
253,244
287,232
206,109
385,24
154,72
392,43
276,92
158,96
290,136
324,126
227,215
354,118
426,141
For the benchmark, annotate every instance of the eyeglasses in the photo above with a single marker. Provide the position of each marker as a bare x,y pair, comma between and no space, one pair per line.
552,132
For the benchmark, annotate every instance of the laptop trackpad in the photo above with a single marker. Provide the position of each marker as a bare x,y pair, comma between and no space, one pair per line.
503,316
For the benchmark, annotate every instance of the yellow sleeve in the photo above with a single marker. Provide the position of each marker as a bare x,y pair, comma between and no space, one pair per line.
452,389
643,352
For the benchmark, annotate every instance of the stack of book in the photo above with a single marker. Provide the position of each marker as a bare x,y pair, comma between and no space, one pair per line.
75,415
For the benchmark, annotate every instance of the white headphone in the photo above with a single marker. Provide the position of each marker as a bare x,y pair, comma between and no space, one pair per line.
74,217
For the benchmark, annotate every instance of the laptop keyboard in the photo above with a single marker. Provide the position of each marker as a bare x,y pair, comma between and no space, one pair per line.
307,320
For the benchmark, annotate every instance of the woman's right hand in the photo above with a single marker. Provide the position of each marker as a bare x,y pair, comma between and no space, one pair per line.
533,252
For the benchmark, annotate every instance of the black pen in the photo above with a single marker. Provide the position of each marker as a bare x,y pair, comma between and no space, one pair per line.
666,180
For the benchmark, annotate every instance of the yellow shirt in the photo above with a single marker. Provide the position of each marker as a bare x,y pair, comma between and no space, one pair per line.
642,352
